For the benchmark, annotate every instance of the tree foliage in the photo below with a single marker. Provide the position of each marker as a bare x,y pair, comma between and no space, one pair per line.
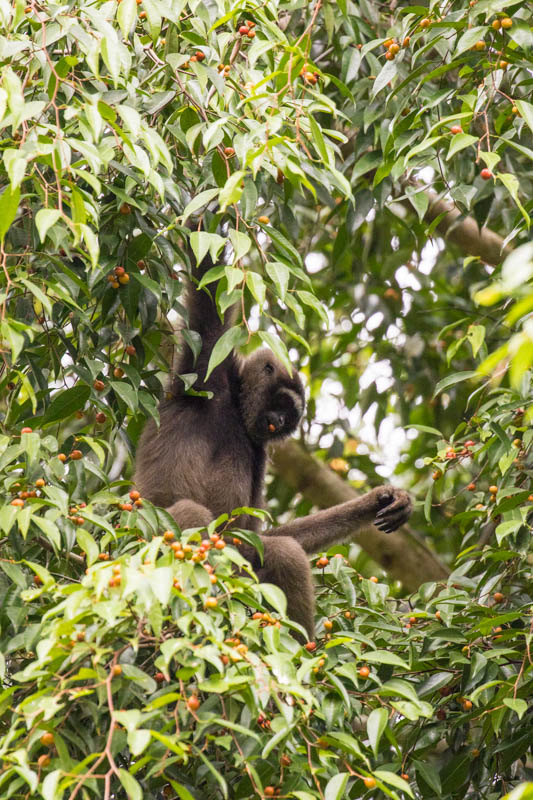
314,141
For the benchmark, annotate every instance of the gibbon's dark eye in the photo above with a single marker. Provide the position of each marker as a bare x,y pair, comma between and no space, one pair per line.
269,369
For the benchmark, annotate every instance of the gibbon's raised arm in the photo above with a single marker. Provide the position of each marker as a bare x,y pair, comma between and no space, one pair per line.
386,507
203,318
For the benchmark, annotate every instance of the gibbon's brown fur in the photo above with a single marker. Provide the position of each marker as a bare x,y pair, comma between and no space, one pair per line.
209,456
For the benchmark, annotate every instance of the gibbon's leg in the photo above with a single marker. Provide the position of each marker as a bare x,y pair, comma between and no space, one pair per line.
386,507
286,565
189,514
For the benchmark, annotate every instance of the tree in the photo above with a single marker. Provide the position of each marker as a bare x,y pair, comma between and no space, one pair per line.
369,167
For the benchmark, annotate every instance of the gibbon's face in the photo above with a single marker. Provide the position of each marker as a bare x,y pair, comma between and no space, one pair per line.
272,402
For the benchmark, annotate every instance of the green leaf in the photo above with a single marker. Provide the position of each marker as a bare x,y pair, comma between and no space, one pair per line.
65,403
280,275
45,219
234,337
127,394
9,200
240,242
518,705
469,38
197,202
203,243
274,595
451,380
385,657
526,112
335,788
392,779
232,190
375,725
127,16
459,142
132,787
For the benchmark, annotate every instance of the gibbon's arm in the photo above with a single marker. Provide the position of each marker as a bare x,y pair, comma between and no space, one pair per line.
385,506
204,320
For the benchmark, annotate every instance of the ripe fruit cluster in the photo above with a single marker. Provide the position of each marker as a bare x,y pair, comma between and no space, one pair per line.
309,75
393,48
117,277
197,554
225,69
247,29
266,619
505,23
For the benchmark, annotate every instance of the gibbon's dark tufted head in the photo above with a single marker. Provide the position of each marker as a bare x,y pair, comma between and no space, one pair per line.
271,401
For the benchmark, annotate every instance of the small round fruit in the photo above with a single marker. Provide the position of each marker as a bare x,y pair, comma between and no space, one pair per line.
220,545
159,677
405,776
251,34
425,23
116,671
406,41
369,782
125,208
270,791
99,385
507,23
467,705
44,760
471,487
169,536
498,597
486,174
322,562
75,455
130,350
17,502
40,482
264,220
502,64
389,56
199,55
124,279
394,48
373,579
27,430
364,672
436,475
47,739
456,129
441,714
480,45
119,271
37,580
101,417
193,703
244,30
211,602
438,615
328,624
493,489
229,152
496,24
514,110
310,646
134,494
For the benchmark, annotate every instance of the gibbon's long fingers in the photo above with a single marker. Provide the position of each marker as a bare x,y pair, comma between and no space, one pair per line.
392,516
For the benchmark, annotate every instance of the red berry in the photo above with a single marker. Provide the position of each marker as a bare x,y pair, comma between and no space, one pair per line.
486,174
244,30
456,129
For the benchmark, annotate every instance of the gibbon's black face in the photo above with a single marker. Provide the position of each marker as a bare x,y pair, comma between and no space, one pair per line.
272,401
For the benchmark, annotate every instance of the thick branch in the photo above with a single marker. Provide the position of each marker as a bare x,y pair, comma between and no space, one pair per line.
401,554
464,232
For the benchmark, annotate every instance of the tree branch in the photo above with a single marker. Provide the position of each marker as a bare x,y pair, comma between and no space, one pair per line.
464,232
402,554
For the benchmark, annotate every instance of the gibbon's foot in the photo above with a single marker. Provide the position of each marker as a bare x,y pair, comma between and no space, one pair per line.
395,508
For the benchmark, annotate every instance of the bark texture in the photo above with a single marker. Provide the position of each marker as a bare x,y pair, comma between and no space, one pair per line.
401,554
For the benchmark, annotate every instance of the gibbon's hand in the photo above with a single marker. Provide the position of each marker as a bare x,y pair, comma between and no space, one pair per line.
394,508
